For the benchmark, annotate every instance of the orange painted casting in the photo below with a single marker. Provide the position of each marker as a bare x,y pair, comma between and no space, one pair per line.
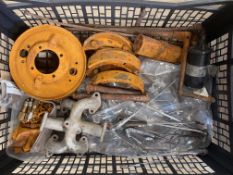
59,83
24,138
156,49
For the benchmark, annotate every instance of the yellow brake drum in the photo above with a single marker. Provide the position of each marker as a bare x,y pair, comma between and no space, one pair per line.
68,62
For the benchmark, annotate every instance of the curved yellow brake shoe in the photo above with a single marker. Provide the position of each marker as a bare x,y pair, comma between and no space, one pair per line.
118,78
107,39
113,59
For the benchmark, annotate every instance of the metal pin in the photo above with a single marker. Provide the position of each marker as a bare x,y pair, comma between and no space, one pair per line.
122,122
164,114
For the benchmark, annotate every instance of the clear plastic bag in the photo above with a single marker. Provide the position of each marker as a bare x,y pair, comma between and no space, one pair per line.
10,94
167,124
37,152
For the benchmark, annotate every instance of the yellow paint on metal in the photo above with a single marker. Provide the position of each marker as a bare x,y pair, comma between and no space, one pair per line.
119,78
156,49
24,138
113,59
107,39
62,81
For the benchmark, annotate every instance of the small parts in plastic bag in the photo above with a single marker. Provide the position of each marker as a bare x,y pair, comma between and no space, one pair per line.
32,112
27,131
23,138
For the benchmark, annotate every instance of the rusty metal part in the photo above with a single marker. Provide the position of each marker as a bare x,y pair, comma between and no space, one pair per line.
161,33
118,78
148,30
209,99
23,139
107,39
116,58
184,54
78,96
155,49
175,34
165,32
110,90
121,97
27,72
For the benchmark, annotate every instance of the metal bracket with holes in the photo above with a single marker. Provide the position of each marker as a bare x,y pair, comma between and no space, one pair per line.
74,125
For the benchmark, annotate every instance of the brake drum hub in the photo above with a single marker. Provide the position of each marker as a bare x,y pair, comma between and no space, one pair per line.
65,68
